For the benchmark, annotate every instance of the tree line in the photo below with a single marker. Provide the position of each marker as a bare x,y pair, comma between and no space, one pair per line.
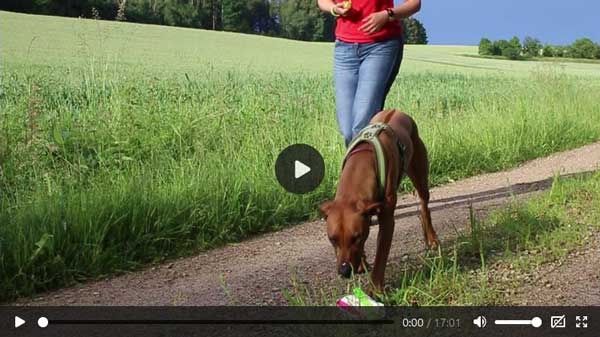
531,47
294,19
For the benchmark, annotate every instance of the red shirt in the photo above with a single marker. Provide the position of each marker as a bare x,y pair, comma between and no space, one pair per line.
347,26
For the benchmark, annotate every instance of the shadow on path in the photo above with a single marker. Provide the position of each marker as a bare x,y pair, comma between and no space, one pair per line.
478,197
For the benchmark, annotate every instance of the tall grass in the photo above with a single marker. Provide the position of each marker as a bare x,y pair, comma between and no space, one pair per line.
103,170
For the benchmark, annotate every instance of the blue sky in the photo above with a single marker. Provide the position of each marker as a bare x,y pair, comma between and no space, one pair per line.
551,21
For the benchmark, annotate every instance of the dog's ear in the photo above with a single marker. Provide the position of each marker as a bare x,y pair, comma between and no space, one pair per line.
326,207
368,207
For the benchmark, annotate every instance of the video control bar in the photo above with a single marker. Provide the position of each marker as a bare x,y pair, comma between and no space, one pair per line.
299,321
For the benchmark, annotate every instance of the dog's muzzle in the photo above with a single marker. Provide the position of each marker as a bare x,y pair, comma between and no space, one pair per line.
345,270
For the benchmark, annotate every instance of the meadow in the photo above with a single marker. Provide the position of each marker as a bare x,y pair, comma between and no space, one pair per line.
124,144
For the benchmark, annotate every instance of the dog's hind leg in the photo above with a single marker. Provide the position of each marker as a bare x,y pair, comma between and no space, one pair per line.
418,172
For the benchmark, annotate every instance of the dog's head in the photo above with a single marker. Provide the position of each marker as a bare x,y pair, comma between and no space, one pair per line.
348,229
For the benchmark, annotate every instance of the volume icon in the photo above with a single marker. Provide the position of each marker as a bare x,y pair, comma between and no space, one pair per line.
480,321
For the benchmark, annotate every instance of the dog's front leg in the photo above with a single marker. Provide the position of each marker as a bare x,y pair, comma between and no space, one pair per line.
384,242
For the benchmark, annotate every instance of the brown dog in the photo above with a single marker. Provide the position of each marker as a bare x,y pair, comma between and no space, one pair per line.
358,196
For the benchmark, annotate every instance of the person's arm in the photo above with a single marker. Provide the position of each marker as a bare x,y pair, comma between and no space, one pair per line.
329,6
374,22
406,9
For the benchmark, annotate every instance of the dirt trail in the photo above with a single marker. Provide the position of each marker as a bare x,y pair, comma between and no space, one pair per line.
257,270
573,280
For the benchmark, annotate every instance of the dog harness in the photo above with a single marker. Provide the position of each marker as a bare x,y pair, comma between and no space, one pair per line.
370,134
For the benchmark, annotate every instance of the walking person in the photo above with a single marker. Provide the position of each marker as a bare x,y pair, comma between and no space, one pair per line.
368,52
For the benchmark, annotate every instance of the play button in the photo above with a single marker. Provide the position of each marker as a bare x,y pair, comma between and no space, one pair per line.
19,321
299,168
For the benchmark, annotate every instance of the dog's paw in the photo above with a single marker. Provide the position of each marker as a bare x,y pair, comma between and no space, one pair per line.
376,289
433,243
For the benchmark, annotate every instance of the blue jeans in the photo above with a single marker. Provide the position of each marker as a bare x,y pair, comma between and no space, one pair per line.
364,73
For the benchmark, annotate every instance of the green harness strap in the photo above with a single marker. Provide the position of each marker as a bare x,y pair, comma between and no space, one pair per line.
370,134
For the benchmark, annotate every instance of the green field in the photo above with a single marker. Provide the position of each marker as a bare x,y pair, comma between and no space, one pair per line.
75,43
125,144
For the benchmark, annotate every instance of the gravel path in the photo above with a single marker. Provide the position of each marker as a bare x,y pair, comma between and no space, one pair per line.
257,270
574,280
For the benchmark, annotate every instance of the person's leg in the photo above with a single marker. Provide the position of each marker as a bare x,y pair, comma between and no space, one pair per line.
394,73
346,68
378,63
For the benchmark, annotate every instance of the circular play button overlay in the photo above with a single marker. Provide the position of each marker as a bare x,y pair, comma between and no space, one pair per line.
299,168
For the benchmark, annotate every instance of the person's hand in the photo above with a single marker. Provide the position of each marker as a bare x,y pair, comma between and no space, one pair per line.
374,22
340,10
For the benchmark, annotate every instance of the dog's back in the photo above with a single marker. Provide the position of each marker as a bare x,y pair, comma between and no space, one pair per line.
399,121
406,132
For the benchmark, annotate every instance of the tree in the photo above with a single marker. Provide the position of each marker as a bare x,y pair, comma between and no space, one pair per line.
499,45
511,53
300,20
259,16
235,16
180,13
516,43
414,31
560,51
214,7
548,51
531,47
583,48
495,48
486,47
509,49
